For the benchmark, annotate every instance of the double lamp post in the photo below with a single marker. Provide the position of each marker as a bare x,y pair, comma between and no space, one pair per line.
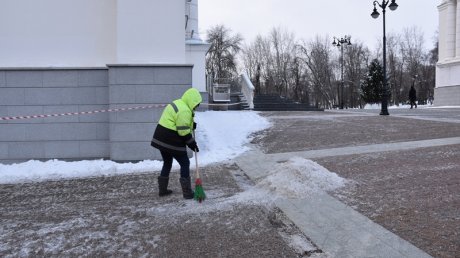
375,14
340,43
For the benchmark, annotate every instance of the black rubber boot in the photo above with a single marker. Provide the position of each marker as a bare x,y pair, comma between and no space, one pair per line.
186,184
163,185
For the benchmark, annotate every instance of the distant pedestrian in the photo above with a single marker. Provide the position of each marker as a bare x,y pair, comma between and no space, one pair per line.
172,134
413,97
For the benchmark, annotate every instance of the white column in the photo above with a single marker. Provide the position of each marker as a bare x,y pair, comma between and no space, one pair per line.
195,49
451,28
447,30
191,12
457,37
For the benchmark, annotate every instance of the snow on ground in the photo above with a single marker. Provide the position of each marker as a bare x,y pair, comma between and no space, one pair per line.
220,136
223,135
293,179
297,178
406,106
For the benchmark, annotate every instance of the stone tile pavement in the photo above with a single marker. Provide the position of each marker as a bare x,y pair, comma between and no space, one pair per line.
402,199
404,171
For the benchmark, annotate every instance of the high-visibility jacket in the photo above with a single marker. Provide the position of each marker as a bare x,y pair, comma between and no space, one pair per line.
174,129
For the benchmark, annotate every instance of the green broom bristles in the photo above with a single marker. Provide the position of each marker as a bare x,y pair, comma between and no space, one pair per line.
199,192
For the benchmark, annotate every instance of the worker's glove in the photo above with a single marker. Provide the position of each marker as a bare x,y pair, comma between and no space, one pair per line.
194,126
193,146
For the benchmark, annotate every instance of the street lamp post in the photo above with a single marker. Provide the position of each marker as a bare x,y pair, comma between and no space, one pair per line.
340,42
393,6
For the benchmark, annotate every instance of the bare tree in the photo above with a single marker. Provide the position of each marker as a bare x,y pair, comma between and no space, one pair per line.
395,68
427,76
221,57
268,61
256,60
316,55
300,87
412,56
404,60
356,60
252,64
308,71
283,44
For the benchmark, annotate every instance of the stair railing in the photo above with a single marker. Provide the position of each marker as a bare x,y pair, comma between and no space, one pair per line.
247,88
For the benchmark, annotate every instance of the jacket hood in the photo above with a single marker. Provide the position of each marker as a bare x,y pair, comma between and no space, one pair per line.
192,98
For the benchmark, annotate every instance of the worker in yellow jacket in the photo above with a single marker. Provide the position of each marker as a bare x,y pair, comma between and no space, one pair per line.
172,134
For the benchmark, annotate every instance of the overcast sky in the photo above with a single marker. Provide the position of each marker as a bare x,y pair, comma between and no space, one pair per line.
308,18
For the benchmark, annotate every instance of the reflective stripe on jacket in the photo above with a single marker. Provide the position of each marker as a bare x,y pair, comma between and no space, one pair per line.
174,130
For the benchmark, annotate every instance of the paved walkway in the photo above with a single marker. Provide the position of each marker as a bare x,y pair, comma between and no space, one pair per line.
405,192
337,229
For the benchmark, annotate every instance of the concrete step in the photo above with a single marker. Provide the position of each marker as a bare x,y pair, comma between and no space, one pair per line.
288,109
271,102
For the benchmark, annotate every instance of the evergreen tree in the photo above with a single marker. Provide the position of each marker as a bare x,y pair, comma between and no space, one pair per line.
372,87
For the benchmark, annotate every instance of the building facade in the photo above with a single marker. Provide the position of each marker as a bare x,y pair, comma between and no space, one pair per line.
447,91
59,56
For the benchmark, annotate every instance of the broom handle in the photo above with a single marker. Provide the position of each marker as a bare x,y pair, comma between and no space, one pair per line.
196,165
196,157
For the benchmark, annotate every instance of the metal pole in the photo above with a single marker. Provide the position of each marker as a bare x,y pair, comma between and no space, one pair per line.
384,110
341,97
338,95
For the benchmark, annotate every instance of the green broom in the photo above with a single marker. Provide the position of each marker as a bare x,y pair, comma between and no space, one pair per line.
199,192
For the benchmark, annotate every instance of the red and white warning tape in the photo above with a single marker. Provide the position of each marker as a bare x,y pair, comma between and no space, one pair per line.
99,111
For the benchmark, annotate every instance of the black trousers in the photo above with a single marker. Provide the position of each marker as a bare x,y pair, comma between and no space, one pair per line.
182,159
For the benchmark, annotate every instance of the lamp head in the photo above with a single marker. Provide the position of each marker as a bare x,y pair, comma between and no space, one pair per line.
393,6
375,14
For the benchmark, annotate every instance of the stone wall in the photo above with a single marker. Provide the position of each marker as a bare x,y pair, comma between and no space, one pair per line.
131,132
120,136
447,96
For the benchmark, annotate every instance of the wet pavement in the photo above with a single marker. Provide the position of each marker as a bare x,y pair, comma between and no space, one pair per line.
404,169
403,172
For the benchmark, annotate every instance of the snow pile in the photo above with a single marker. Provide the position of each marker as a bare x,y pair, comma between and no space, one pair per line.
37,171
223,135
299,178
220,135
